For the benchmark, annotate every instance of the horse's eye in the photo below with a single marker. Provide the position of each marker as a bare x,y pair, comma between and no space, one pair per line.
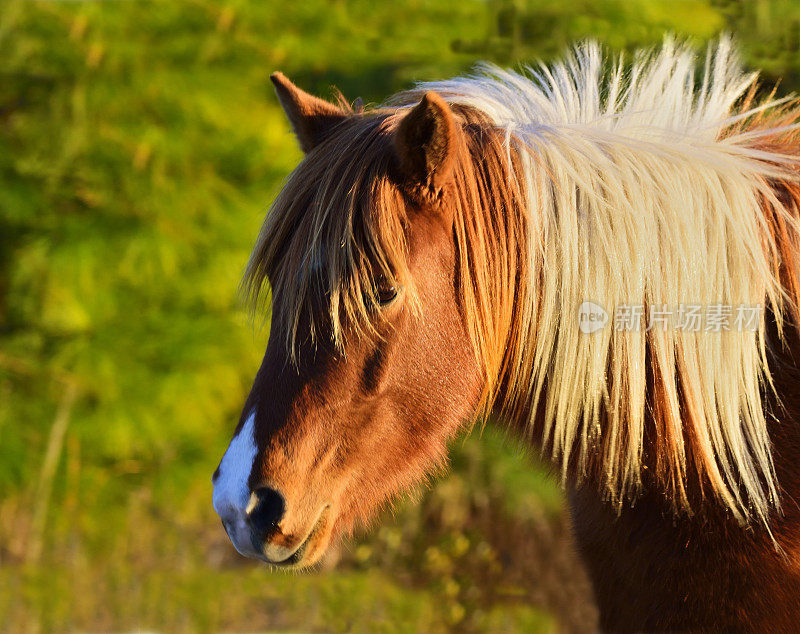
385,292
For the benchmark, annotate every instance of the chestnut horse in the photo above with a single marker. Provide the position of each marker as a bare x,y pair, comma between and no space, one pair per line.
430,262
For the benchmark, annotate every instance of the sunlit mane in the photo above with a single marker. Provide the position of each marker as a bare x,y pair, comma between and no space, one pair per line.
624,185
646,185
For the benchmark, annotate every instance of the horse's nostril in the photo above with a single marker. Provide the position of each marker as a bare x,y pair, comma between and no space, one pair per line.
266,510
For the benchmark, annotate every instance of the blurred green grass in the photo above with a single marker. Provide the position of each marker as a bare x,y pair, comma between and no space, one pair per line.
140,145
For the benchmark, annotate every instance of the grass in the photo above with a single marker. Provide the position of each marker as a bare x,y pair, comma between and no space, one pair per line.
140,145
172,568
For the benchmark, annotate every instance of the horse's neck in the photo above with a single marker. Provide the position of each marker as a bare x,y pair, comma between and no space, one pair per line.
653,570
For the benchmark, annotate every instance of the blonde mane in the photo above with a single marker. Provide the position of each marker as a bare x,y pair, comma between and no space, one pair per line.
647,186
623,185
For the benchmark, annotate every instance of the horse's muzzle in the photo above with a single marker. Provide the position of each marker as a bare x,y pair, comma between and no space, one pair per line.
256,533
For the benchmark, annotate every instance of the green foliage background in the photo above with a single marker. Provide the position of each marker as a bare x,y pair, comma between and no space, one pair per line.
140,145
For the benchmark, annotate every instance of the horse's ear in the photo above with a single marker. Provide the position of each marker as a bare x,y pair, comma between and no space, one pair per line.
311,117
425,142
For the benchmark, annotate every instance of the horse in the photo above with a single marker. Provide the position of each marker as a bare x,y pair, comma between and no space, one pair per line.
569,250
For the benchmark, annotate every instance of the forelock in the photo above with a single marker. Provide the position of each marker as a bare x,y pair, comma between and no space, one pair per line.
337,225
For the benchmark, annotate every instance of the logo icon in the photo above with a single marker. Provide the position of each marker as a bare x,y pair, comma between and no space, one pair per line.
591,317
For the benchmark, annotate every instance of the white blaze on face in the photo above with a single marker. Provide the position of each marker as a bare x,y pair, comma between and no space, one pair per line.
231,491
